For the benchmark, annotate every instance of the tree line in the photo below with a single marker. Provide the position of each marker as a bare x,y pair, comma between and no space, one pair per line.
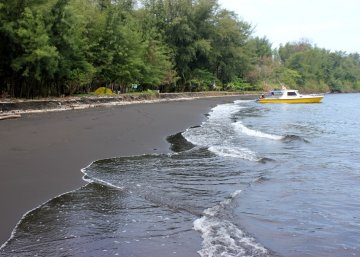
65,47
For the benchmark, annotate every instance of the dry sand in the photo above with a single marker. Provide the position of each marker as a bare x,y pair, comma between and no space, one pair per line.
41,155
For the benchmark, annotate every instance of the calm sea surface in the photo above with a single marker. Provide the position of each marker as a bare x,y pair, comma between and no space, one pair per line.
253,180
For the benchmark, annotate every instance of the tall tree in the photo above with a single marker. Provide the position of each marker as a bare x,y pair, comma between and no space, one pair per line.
30,59
230,57
34,59
68,35
119,51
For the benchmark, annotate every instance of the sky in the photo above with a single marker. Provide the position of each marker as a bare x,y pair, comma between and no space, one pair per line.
330,24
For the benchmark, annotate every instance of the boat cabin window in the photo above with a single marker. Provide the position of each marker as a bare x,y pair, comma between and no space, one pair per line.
291,93
276,93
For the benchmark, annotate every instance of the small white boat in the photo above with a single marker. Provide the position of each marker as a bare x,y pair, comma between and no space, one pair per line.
289,96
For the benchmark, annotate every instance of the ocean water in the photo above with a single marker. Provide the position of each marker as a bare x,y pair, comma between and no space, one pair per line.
252,180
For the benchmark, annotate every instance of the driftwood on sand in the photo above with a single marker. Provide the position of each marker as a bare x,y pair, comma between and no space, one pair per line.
9,116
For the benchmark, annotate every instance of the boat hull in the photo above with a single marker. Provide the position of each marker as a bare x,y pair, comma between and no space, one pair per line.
301,100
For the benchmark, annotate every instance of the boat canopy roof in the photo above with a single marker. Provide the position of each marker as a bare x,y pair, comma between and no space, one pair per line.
283,90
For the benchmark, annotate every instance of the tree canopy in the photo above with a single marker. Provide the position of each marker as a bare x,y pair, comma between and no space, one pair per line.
63,47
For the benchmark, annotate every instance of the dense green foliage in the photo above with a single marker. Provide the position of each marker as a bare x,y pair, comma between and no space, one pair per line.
315,69
62,47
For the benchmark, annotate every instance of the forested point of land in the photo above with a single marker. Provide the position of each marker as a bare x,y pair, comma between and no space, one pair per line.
66,47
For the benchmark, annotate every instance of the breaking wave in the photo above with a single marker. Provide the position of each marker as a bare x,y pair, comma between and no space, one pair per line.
223,238
242,153
255,133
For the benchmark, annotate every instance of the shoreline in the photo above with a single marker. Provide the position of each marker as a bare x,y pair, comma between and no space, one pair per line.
13,108
42,154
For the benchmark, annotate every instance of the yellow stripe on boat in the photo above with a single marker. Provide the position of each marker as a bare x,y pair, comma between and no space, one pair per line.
291,101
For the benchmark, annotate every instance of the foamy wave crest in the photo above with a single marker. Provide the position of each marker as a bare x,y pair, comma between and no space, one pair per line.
243,101
89,179
223,238
224,110
242,153
255,133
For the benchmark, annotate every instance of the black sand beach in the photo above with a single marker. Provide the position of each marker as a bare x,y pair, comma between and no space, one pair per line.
41,155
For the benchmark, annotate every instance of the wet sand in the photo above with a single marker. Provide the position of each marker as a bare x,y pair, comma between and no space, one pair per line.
41,155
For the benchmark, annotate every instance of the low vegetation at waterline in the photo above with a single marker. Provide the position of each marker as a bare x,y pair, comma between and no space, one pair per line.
66,47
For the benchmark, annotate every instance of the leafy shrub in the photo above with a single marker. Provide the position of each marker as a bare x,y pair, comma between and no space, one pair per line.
103,91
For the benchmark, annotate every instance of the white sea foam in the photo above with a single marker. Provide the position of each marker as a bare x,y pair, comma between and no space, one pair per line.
90,179
212,131
224,110
235,152
218,135
255,133
221,237
243,101
213,211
